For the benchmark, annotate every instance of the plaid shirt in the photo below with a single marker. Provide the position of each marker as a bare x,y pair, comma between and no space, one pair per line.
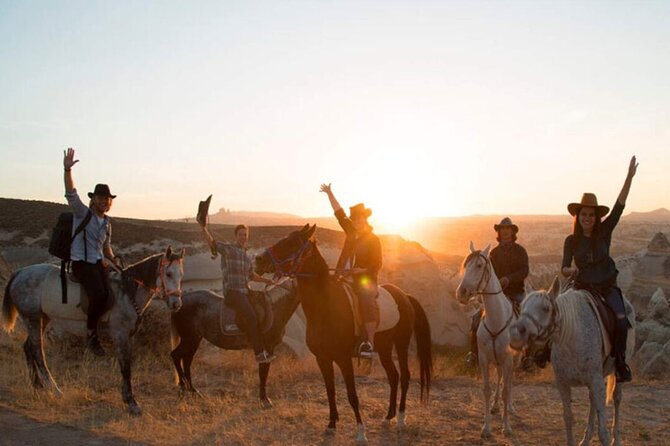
236,267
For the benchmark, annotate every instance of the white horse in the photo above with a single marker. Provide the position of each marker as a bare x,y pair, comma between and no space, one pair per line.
493,338
34,293
577,357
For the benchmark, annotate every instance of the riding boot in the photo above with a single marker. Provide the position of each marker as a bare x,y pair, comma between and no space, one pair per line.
472,358
623,373
93,344
543,356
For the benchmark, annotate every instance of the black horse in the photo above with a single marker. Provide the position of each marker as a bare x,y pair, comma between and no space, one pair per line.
199,317
330,324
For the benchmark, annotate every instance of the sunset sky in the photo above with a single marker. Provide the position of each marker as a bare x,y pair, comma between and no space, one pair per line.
417,108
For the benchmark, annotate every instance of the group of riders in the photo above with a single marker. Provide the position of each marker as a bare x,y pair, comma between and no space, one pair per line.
586,261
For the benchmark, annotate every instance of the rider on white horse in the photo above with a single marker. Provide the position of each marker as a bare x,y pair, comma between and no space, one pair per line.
510,263
595,270
91,248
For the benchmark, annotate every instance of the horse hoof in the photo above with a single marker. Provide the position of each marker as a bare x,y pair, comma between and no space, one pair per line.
507,431
266,403
494,410
135,409
486,432
330,431
401,420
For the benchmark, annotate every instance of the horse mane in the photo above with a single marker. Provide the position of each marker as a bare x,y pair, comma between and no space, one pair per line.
569,304
468,258
145,271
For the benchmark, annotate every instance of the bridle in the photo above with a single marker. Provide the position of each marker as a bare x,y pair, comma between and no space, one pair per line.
485,277
543,333
291,265
152,290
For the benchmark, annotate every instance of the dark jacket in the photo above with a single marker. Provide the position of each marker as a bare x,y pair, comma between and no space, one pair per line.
364,251
592,256
510,260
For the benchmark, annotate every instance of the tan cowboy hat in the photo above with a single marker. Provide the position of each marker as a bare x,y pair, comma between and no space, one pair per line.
359,209
506,222
590,200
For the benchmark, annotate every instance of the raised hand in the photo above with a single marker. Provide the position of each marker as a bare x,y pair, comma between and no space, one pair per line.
68,159
632,167
326,188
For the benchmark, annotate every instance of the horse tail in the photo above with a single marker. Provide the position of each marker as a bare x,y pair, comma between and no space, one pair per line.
9,311
424,347
611,386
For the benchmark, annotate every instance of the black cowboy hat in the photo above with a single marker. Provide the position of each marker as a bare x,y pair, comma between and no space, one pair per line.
588,200
359,209
102,190
506,223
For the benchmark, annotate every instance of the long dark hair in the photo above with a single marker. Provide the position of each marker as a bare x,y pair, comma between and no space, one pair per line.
578,231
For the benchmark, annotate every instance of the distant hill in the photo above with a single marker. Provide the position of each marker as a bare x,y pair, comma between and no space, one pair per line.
661,215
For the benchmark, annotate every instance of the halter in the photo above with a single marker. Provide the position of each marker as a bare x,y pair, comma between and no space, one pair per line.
543,333
291,264
165,293
486,275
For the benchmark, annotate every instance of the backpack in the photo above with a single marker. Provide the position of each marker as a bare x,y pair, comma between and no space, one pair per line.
61,241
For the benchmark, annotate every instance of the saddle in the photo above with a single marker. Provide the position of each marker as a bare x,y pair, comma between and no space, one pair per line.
606,319
83,297
229,322
389,315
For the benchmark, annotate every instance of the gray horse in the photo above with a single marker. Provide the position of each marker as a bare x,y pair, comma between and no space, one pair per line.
34,293
577,354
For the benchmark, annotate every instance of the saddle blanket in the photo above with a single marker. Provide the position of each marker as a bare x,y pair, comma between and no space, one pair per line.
389,315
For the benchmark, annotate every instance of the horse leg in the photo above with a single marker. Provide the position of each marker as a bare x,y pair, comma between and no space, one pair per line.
178,355
124,357
495,408
597,396
588,432
618,396
566,398
32,366
484,369
36,335
385,350
326,367
189,353
402,347
347,369
263,372
507,372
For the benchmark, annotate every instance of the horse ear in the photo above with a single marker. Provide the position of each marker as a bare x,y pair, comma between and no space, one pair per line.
472,247
305,228
310,232
527,288
168,252
486,250
555,288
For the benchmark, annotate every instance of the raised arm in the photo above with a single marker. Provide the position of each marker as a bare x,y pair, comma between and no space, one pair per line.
68,162
333,201
632,168
209,240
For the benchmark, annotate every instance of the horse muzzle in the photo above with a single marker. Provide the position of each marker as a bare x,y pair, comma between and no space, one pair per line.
174,302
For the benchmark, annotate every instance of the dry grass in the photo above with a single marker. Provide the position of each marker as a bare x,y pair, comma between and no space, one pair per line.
229,413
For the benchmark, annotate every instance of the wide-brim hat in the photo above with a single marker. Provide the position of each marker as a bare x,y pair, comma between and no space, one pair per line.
506,223
359,209
590,200
102,190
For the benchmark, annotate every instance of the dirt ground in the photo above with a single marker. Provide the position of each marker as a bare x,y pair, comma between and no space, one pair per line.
91,411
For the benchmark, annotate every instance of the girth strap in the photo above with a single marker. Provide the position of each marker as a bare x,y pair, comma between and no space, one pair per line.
495,336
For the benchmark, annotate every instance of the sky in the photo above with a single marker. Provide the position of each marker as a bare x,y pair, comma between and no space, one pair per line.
417,108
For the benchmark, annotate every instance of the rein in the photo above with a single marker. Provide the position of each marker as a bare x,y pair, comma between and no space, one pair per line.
165,293
543,333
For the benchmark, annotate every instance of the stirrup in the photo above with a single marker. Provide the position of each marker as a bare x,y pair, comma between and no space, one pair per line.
623,373
365,350
265,358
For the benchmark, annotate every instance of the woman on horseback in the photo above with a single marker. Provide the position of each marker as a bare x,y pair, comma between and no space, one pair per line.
595,270
361,258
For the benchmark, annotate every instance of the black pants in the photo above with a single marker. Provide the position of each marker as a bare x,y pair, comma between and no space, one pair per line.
249,321
614,299
93,278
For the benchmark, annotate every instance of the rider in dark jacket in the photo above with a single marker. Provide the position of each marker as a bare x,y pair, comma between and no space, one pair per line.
361,258
595,270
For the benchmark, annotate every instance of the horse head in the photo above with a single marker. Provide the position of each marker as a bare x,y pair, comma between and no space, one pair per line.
285,257
537,319
476,272
169,278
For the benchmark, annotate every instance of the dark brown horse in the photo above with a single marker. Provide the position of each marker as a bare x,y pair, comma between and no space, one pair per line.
330,324
199,318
